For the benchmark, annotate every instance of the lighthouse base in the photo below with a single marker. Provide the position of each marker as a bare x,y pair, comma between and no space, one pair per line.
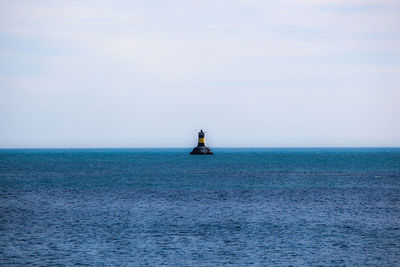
201,150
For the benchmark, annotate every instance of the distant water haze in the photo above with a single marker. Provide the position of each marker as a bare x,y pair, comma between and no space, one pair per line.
251,73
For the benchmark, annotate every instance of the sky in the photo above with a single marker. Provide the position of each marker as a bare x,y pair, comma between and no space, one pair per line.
251,73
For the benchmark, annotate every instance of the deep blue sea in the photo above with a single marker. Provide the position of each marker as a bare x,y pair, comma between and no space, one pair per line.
263,207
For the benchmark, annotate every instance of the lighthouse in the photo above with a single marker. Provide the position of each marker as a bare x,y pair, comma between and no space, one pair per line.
201,148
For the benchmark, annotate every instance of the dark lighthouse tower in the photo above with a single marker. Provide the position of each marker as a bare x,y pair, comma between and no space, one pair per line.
201,148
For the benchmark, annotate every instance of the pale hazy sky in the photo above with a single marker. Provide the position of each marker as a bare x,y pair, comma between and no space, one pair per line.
250,72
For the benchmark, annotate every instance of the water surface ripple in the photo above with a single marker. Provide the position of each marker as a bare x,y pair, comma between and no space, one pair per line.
135,207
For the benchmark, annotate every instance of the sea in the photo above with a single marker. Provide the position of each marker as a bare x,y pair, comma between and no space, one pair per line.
164,207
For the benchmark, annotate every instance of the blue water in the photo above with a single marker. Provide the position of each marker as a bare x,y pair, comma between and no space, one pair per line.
135,207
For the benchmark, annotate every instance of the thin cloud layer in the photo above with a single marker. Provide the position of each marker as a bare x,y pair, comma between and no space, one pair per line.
119,73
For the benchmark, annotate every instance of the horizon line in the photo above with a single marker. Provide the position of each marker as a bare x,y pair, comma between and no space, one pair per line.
217,147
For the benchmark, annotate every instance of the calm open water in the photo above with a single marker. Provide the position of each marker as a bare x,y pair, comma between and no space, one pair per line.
134,207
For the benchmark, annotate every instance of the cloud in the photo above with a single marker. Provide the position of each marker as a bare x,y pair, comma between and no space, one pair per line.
283,69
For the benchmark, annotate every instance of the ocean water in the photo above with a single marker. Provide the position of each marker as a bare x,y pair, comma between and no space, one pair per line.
263,207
